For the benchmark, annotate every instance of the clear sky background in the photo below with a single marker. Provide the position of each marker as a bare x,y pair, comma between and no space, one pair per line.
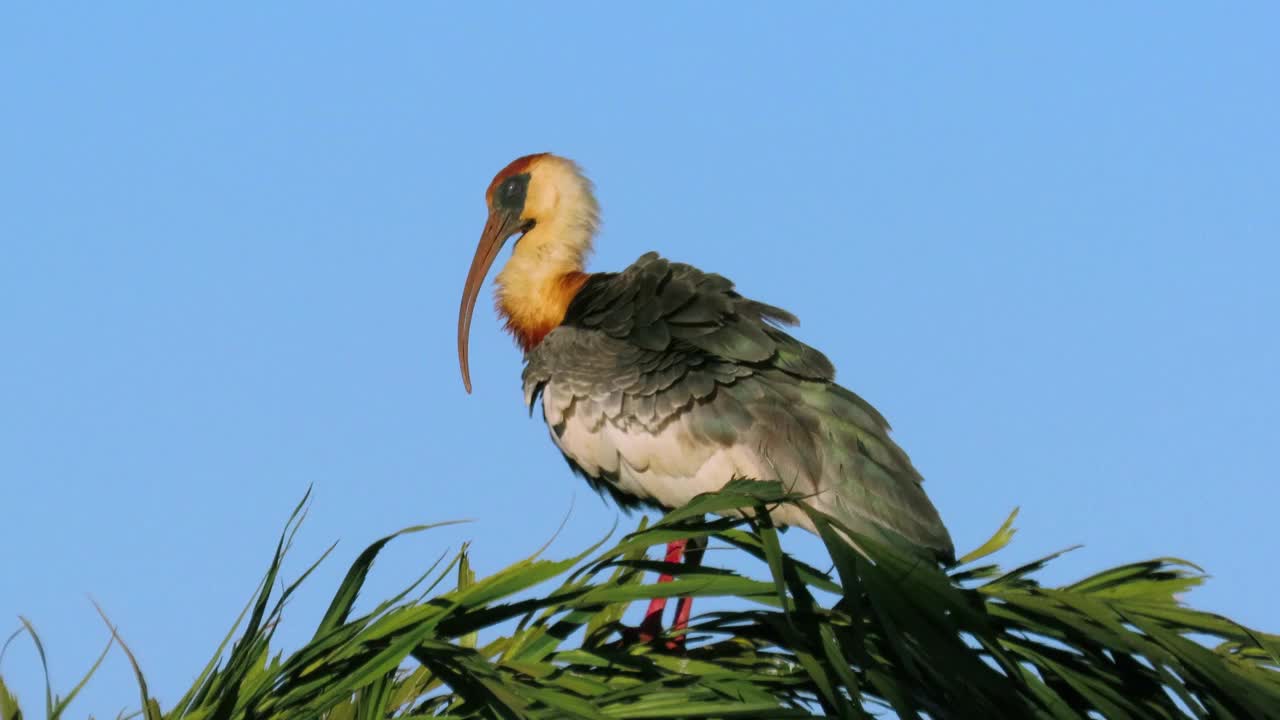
1043,242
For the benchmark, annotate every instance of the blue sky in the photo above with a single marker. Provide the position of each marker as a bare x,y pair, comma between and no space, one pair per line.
1043,242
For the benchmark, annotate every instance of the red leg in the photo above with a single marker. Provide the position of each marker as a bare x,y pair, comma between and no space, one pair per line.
651,627
684,606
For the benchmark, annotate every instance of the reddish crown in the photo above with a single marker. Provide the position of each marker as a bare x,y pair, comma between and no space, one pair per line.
517,166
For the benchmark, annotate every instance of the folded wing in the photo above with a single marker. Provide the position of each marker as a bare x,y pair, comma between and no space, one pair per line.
663,382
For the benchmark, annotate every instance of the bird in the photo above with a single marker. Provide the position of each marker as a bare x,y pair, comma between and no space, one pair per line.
661,381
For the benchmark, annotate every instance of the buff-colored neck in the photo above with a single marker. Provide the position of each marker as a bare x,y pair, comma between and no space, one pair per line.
545,271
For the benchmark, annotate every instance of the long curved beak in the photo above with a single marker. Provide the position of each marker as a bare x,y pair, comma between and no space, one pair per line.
500,226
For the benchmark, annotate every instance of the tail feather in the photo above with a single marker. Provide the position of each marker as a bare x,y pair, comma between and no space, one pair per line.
859,475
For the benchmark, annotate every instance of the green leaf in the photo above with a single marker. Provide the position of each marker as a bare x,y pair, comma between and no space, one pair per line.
995,543
345,598
150,708
466,578
44,664
61,705
9,708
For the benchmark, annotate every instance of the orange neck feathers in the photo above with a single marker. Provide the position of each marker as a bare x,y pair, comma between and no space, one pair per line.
528,320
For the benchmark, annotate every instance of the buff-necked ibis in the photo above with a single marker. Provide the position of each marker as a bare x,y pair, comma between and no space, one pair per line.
661,382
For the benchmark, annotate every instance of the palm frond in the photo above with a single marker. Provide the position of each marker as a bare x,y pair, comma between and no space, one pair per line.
885,632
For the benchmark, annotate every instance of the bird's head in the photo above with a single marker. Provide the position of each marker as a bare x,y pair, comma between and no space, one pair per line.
541,191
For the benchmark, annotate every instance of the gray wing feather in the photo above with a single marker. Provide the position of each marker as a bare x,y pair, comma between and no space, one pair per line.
663,342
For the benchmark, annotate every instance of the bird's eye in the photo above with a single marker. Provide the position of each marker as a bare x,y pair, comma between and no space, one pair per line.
510,194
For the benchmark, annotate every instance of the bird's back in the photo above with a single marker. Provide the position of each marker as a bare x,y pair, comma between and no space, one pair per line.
663,382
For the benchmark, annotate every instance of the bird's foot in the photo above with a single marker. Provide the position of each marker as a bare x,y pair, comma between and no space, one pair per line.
650,632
